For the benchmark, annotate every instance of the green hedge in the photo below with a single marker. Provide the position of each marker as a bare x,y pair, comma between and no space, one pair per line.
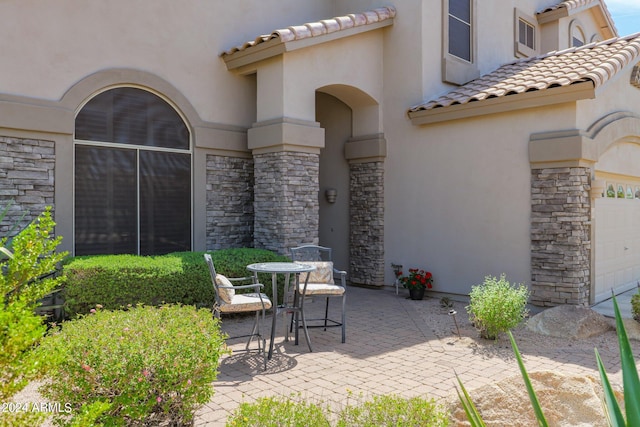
114,281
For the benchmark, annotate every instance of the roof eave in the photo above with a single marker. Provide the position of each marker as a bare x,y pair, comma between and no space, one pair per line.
521,101
276,46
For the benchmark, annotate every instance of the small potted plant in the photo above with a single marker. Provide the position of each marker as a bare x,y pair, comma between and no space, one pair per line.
417,281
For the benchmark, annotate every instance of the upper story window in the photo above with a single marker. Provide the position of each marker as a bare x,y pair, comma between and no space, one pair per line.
576,35
526,33
460,29
459,41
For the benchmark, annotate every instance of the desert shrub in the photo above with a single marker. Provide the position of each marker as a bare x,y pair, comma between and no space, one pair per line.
142,366
497,306
383,410
29,256
278,412
393,410
114,281
635,306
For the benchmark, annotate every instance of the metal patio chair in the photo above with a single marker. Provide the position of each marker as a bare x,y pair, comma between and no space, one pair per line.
228,301
322,283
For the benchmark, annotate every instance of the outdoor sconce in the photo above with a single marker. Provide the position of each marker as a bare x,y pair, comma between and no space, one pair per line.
330,194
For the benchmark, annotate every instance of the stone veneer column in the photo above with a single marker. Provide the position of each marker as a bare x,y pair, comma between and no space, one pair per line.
26,178
286,200
286,155
229,202
366,208
366,156
560,236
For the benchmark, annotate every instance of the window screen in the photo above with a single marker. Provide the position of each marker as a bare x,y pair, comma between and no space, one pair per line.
133,197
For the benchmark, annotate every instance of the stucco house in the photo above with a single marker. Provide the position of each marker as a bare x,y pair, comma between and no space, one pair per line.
465,137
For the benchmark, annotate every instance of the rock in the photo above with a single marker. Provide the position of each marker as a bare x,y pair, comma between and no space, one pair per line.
565,401
569,321
632,327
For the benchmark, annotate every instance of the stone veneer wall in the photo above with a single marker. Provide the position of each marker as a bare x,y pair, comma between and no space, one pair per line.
229,202
366,241
26,178
286,200
560,236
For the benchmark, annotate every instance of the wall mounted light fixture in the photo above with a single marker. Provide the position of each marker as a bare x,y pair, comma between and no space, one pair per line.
331,194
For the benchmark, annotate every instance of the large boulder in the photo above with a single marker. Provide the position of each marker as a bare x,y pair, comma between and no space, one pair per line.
565,400
569,321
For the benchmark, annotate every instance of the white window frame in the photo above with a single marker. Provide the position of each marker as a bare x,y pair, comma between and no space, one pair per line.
454,69
521,50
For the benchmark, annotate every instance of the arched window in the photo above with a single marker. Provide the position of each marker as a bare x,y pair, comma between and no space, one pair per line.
132,188
576,38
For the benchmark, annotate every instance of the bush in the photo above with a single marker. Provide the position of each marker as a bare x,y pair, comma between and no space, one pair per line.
143,366
496,306
384,410
635,306
114,281
30,255
392,410
277,412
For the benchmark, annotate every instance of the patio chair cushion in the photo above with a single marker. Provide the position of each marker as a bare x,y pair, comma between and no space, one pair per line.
323,289
226,294
322,274
246,302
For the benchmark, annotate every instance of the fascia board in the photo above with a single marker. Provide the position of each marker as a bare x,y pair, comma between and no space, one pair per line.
521,101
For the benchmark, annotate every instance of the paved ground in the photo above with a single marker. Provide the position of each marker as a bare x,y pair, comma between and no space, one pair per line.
394,345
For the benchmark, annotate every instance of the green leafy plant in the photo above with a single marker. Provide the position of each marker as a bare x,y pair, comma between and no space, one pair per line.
393,410
383,410
30,256
497,306
630,381
635,306
114,281
142,366
279,411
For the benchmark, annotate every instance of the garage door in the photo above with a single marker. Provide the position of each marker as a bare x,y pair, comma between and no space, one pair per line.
617,245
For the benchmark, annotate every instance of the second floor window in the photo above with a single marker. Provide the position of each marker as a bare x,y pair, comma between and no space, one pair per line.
526,34
460,29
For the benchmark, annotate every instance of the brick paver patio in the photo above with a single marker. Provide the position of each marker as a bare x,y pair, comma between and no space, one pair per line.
391,348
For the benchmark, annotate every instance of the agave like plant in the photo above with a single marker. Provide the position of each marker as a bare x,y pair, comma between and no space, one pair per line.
630,382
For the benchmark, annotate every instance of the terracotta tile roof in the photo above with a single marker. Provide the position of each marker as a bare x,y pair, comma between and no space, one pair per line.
319,28
571,5
595,62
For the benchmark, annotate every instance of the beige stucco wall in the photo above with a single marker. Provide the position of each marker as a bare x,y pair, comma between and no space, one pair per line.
52,45
458,196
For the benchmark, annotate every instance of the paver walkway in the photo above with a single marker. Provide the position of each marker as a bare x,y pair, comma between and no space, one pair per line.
394,345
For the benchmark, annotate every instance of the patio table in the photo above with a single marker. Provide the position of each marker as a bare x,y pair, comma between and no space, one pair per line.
295,306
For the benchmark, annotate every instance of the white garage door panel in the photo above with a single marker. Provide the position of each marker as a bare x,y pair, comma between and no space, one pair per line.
617,246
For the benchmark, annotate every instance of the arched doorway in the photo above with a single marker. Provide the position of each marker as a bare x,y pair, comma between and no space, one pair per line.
132,175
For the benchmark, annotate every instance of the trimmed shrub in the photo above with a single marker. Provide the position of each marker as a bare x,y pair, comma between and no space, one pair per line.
496,306
142,366
115,281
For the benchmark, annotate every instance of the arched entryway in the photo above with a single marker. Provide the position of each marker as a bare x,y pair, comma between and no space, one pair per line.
351,182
